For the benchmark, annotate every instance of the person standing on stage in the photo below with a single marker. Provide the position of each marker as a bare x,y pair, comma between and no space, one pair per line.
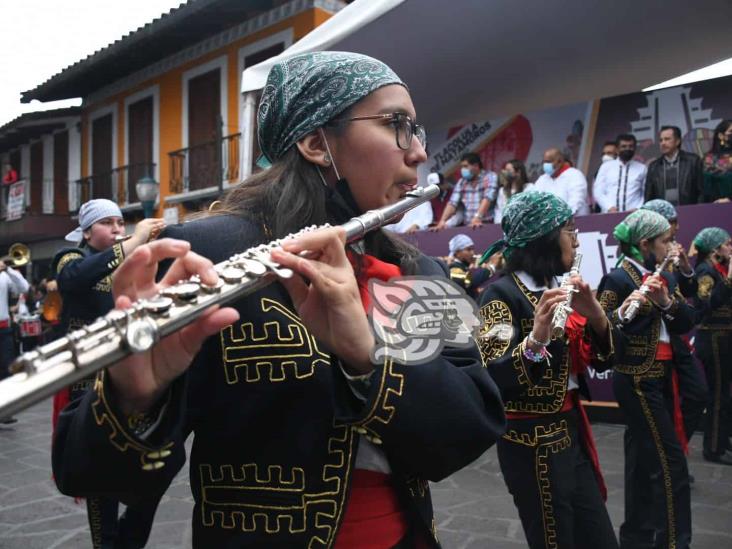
657,497
620,183
83,275
714,337
302,436
676,176
564,181
691,384
548,456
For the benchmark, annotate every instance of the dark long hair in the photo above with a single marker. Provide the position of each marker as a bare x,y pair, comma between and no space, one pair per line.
540,258
722,127
291,195
521,176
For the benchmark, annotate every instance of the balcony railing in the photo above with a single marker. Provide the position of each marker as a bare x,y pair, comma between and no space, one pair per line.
117,185
205,165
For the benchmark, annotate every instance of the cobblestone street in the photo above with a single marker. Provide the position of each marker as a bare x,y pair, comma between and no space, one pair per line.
473,508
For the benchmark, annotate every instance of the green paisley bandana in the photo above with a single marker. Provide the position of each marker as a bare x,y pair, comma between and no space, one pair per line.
528,215
710,239
641,224
663,207
306,91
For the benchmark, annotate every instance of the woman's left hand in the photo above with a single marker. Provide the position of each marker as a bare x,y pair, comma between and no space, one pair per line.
325,294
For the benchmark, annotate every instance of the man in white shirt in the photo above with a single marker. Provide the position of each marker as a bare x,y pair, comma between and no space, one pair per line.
564,181
620,183
10,281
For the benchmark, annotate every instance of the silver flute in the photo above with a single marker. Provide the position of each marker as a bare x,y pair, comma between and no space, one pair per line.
632,310
48,368
563,310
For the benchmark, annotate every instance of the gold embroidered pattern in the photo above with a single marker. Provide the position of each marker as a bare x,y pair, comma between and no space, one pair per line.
285,349
67,258
546,445
608,300
546,440
496,331
119,256
119,438
104,285
553,383
717,359
665,471
706,283
274,498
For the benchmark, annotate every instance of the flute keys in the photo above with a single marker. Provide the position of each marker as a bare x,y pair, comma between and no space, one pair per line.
157,305
212,289
184,291
231,274
141,334
254,268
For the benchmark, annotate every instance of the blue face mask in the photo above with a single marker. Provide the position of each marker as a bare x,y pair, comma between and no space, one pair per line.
548,168
465,173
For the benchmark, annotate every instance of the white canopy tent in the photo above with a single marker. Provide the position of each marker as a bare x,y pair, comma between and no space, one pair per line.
467,60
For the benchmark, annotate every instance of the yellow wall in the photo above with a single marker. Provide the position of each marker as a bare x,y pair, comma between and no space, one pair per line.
171,96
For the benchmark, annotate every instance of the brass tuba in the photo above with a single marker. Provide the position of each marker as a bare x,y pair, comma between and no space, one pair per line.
18,255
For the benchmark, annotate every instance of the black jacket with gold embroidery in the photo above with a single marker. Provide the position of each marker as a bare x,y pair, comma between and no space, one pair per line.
276,424
636,348
507,311
84,281
713,299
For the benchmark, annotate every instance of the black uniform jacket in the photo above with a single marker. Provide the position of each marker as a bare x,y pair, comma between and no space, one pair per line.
277,424
507,310
469,279
691,179
636,348
713,299
84,278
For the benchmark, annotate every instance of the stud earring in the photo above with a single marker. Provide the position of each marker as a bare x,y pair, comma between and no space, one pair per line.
326,159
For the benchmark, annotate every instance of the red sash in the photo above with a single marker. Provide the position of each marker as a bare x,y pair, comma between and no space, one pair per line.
721,269
373,517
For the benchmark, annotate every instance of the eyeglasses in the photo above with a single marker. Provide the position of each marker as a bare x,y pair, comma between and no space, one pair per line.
574,233
404,127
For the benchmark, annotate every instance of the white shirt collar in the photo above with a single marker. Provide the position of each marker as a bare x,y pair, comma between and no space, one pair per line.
528,281
637,265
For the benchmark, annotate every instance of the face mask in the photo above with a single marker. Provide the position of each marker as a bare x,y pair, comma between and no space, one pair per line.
508,176
607,157
465,173
548,168
626,155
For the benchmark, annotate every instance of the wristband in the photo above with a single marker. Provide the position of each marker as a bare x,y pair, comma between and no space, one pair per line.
536,342
535,357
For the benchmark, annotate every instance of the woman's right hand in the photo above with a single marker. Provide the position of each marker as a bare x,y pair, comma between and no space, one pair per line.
544,312
635,295
141,379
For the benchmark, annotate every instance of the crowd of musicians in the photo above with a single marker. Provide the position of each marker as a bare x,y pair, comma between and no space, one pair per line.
301,438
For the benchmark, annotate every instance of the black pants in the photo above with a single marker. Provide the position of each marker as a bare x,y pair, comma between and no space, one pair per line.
130,531
713,348
692,388
657,495
7,351
553,485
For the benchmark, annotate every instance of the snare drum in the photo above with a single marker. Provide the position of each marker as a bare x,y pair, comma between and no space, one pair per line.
30,326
